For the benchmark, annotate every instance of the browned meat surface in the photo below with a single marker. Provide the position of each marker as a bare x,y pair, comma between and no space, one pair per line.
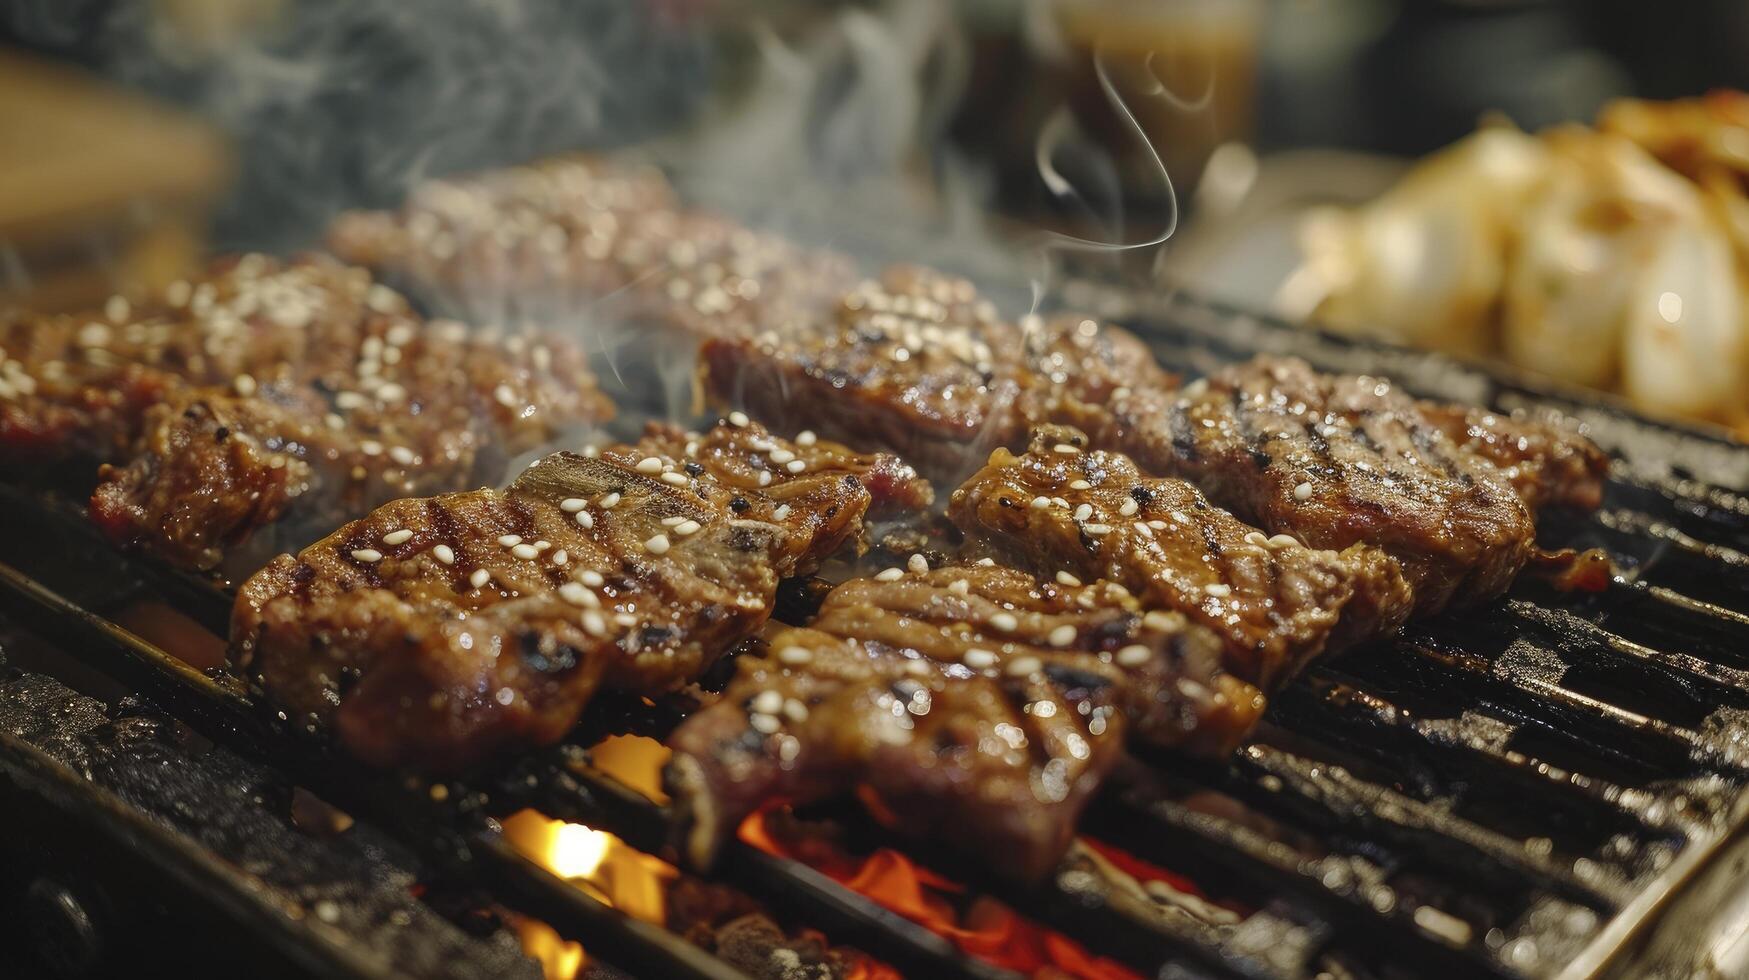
437,631
295,395
1337,461
1546,460
920,365
1274,602
974,705
573,233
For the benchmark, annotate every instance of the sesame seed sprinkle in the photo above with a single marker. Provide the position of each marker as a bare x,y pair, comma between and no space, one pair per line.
1134,655
444,553
402,455
687,527
738,419
1064,578
649,464
591,578
585,519
675,479
764,724
1063,447
806,438
795,656
401,536
572,505
561,556
657,544
594,624
1040,503
525,551
608,501
367,555
890,575
577,595
1219,590
509,540
795,466
1283,541
1062,636
781,512
1005,622
1024,666
1096,529
767,702
1129,507
1080,485
917,564
979,659
1083,512
1303,492
479,579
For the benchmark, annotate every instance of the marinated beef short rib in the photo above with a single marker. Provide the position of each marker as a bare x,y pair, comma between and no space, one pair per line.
920,364
1545,458
976,705
577,233
295,395
1274,602
1336,461
435,632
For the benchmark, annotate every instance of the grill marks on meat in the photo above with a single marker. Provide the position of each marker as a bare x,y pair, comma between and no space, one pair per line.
437,631
1274,602
571,232
1544,458
1338,461
298,393
920,364
956,703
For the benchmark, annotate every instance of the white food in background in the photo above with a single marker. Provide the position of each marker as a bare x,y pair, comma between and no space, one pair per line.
1423,264
1575,253
1601,216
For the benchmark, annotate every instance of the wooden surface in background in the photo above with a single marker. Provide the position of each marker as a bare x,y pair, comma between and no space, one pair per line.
100,190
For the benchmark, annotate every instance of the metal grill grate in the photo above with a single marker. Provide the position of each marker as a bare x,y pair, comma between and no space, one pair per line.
1516,791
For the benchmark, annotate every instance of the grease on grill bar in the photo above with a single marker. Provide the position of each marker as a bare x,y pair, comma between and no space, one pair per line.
1515,793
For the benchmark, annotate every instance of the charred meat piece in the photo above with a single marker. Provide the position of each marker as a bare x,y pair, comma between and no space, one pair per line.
1336,461
574,232
437,631
920,364
296,395
1546,459
927,745
974,704
917,364
1274,602
1172,688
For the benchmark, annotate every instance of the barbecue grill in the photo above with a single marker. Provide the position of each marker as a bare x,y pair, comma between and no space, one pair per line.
1552,786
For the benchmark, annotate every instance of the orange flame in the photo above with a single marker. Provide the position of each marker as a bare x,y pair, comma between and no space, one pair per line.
559,958
594,860
985,928
634,760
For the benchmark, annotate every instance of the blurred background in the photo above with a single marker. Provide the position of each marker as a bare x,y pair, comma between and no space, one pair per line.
1172,143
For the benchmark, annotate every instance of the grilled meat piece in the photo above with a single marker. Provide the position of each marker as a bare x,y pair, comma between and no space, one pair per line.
1337,461
975,705
1274,602
1545,459
573,232
921,365
437,631
300,394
